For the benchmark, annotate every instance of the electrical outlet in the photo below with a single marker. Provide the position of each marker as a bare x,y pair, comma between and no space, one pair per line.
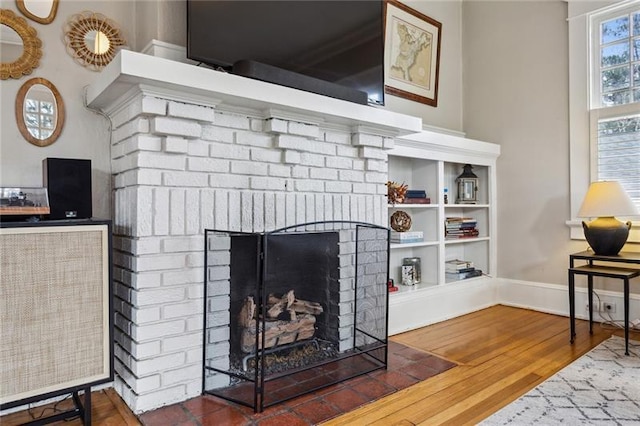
596,307
601,307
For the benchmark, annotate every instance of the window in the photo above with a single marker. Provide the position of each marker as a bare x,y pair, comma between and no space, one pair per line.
39,117
615,97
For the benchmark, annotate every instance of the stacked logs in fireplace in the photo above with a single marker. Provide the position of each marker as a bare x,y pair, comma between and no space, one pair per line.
288,320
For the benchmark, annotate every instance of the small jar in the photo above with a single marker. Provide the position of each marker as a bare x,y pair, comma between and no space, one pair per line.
411,272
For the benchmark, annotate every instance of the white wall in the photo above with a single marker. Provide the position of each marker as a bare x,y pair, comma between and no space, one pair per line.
85,134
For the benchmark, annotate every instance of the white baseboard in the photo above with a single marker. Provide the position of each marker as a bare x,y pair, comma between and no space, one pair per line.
425,306
554,299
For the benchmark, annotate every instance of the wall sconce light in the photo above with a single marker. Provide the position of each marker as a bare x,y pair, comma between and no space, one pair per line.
606,235
467,186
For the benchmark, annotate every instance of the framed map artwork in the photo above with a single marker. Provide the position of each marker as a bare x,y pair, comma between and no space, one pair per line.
411,54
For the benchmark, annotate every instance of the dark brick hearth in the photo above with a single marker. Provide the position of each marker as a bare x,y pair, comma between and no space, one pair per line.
406,367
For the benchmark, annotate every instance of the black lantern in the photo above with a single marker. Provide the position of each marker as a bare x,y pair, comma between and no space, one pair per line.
467,186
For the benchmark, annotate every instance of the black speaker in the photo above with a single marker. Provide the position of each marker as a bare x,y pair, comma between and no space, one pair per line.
68,183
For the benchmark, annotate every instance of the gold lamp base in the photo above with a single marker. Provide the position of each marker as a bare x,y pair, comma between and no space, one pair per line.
606,235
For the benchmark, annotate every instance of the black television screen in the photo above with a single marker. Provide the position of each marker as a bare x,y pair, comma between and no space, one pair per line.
335,41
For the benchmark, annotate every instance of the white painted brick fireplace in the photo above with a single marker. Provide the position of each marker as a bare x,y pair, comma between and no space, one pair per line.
196,149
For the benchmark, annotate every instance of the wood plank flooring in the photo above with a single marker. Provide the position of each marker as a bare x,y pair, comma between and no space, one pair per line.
501,353
108,409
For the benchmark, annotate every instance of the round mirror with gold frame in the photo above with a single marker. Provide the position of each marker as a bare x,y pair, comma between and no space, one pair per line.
92,39
41,11
39,111
26,48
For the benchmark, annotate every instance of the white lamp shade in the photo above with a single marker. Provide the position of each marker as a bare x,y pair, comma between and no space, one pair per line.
607,199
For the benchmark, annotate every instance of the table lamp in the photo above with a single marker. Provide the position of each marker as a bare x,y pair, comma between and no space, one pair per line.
606,235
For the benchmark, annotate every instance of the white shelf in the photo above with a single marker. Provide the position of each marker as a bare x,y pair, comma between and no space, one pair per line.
466,206
131,71
413,206
404,289
466,240
432,163
400,246
464,280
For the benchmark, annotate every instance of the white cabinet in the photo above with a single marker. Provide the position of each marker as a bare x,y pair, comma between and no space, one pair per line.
432,161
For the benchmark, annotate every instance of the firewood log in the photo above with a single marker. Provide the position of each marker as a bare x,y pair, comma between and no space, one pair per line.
298,305
247,312
306,307
281,305
279,333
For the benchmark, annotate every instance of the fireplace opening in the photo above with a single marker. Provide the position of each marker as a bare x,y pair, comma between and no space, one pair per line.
294,310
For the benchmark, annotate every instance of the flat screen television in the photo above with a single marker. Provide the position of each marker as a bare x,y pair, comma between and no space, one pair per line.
333,48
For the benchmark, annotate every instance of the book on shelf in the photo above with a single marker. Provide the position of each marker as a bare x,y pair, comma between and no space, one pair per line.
455,219
418,200
457,265
456,276
454,235
407,237
416,193
460,227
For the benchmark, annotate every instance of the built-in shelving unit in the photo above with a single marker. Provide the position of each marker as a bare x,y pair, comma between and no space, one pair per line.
432,161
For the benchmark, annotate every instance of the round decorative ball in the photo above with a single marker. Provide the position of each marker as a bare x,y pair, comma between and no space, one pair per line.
400,221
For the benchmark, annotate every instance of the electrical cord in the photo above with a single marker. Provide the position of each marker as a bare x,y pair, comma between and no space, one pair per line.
613,324
608,323
55,409
110,130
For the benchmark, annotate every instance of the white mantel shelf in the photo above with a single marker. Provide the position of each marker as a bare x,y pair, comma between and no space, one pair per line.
185,81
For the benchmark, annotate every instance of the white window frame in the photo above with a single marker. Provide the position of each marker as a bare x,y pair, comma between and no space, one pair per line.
595,19
584,73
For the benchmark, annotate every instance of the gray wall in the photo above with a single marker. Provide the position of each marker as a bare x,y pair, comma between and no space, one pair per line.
516,94
160,20
85,133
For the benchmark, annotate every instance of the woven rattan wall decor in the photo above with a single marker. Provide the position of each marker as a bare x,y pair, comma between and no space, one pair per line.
29,59
92,39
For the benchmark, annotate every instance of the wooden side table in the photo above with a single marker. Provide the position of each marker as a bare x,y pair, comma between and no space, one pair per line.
591,269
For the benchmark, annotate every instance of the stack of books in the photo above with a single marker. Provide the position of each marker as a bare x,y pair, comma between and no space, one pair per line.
460,227
416,196
455,270
407,237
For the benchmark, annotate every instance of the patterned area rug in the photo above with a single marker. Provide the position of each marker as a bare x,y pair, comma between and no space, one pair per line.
600,388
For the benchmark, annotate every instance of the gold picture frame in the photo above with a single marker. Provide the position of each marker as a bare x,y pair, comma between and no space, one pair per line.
411,53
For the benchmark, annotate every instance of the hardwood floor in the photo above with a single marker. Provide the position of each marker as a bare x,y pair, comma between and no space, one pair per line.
501,353
107,409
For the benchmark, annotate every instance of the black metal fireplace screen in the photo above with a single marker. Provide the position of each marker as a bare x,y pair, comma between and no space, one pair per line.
294,310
